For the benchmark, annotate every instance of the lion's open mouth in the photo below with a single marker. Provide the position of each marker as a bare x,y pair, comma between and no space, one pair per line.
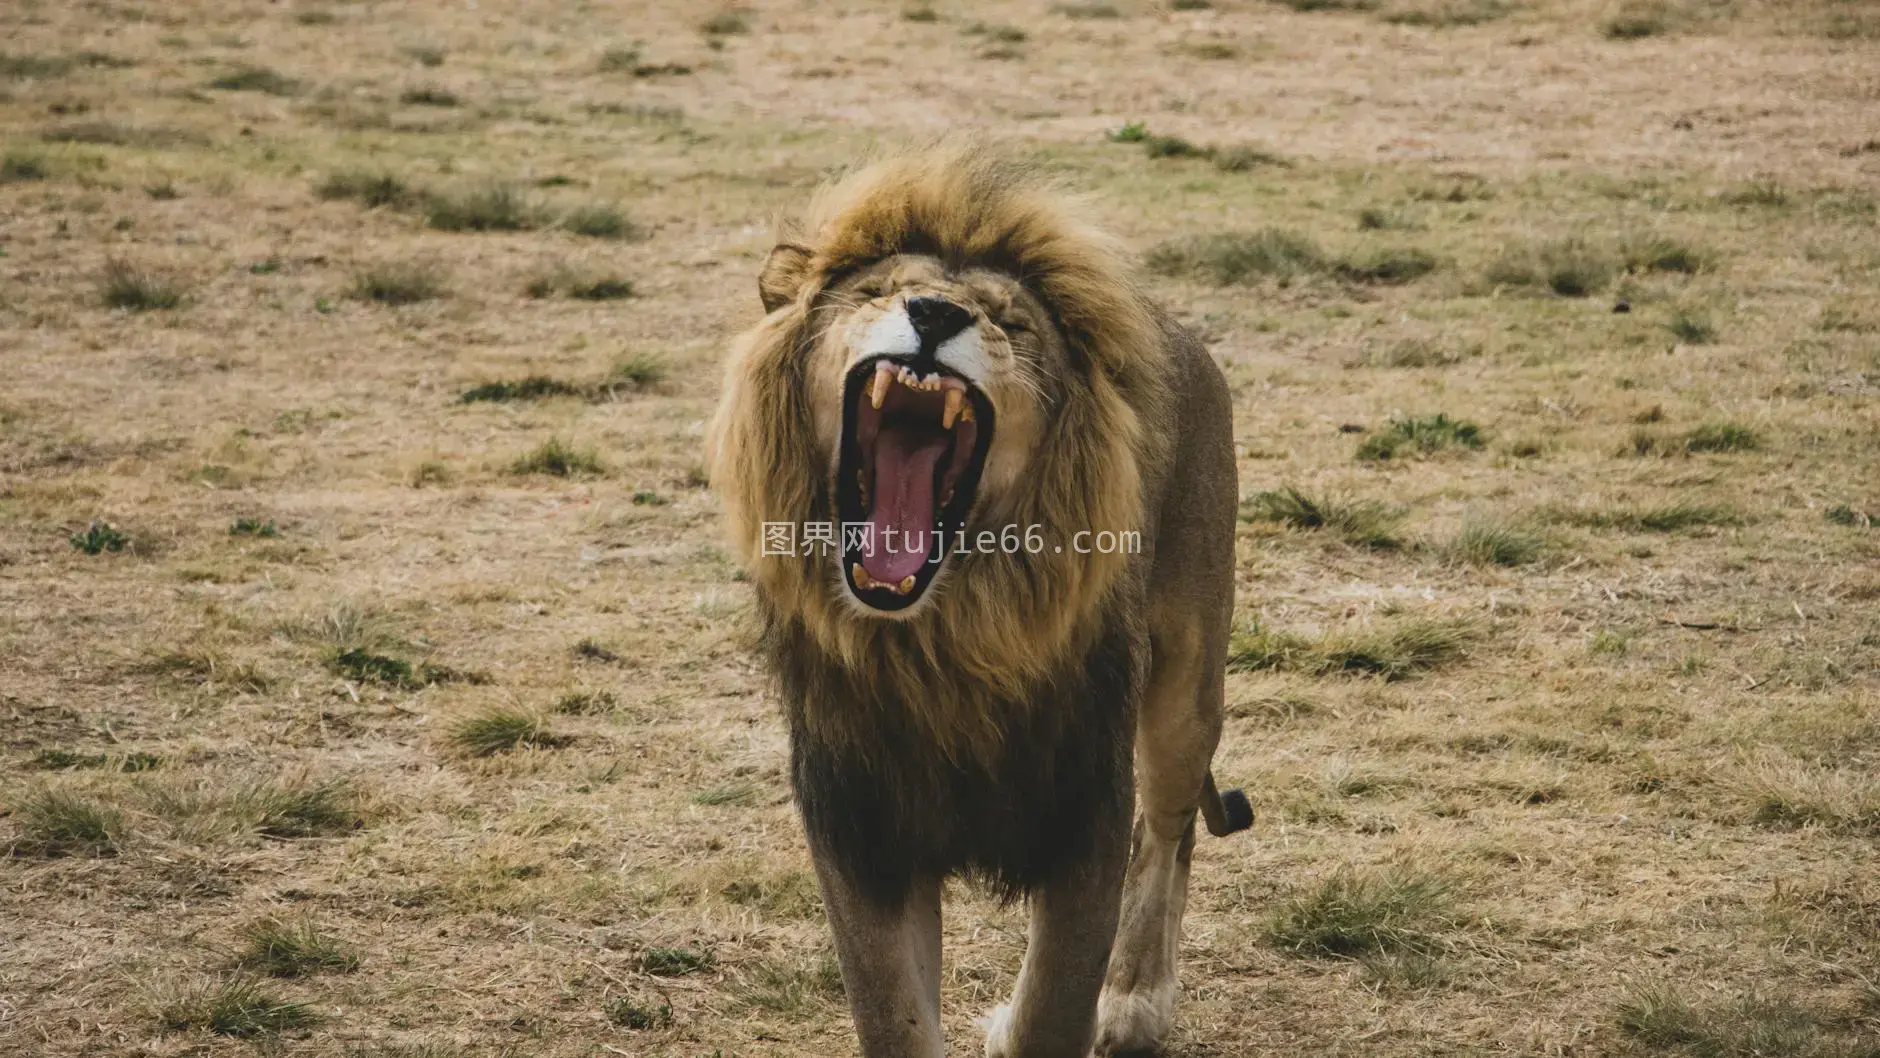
913,446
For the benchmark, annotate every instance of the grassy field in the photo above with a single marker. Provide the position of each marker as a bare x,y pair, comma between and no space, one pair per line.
374,679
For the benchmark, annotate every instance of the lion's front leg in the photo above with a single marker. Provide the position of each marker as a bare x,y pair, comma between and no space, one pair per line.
890,956
1053,1010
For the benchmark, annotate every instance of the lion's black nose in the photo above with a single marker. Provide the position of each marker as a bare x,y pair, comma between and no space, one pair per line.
935,320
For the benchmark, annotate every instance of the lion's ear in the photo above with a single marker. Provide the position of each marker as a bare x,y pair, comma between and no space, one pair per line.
783,275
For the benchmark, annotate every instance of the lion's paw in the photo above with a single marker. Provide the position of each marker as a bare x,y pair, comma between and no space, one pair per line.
998,1026
1134,1024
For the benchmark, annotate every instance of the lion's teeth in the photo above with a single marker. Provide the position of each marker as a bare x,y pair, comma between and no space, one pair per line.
952,412
861,577
966,413
906,585
884,377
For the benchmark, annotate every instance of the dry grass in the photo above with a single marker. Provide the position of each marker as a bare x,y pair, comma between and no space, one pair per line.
480,715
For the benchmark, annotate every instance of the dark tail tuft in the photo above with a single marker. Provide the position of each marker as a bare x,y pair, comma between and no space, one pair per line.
1225,812
1237,809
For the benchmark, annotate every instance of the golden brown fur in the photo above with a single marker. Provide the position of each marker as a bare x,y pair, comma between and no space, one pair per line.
958,205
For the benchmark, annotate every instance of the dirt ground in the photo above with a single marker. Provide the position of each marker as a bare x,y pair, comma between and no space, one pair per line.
395,716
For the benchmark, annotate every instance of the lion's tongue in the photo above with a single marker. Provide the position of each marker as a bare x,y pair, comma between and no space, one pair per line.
903,501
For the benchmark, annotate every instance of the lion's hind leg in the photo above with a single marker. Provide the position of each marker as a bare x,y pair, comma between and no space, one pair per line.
1176,733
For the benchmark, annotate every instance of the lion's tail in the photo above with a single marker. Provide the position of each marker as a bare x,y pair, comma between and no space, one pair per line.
1224,812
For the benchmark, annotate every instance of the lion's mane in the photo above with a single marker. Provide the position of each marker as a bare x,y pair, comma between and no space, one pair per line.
1001,625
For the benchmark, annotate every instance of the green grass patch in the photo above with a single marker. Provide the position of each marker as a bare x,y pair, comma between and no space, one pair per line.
1571,268
1423,436
1087,11
741,793
300,809
19,167
1418,352
1229,258
1443,14
1353,914
1767,194
67,760
1691,327
1329,5
1397,652
368,188
558,458
619,60
1242,158
639,1015
124,285
428,96
534,387
1749,1026
793,991
1385,265
500,729
281,949
1638,19
639,370
579,285
1660,253
1493,543
1173,147
256,79
1842,514
997,33
492,207
603,288
1236,159
100,538
238,1006
726,24
675,962
1722,437
35,67
1669,518
367,667
587,703
254,527
55,822
1365,523
600,220
399,282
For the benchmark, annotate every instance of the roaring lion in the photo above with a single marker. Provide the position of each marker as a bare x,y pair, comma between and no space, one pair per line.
964,379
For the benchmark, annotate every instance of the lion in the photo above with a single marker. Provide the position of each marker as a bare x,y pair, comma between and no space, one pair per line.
964,377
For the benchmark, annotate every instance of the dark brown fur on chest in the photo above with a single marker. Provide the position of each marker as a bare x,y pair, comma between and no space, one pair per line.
887,805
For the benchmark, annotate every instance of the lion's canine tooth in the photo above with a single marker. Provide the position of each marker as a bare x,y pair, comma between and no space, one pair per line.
862,579
906,585
952,412
884,377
